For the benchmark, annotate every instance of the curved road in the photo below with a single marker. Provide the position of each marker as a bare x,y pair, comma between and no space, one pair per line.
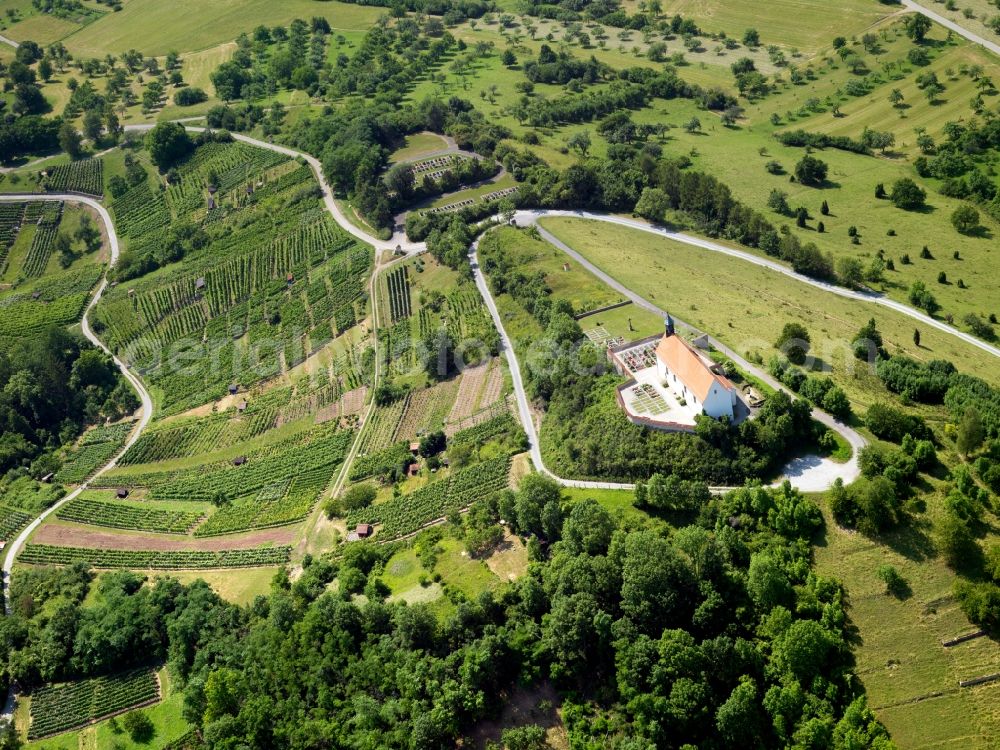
14,547
949,24
815,476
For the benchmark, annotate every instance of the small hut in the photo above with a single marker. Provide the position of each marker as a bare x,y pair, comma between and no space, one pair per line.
364,530
211,202
290,278
122,493
239,460
413,469
415,447
199,284
36,295
241,406
47,479
234,389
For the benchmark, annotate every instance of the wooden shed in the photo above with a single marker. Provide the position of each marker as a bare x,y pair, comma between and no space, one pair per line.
234,389
364,530
199,283
239,460
122,493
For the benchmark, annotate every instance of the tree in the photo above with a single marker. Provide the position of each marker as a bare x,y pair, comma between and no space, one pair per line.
167,143
693,125
810,171
70,140
751,37
824,209
139,726
965,219
917,26
778,201
916,337
895,584
970,433
653,204
896,97
508,58
580,141
793,342
920,296
850,271
45,69
432,444
906,194
93,126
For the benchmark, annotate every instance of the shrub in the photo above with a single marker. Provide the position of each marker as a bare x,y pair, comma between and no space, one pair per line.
794,342
965,219
811,171
188,96
906,194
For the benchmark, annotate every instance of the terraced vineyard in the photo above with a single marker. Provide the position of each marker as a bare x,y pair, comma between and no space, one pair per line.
84,176
398,287
405,514
60,301
41,244
10,224
94,450
12,520
276,280
381,428
57,708
44,554
134,516
140,211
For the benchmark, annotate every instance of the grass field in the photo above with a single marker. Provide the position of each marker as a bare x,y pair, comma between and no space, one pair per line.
911,680
745,306
43,29
155,27
792,23
418,145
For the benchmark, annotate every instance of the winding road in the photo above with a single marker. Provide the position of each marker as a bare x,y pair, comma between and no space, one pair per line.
949,24
12,550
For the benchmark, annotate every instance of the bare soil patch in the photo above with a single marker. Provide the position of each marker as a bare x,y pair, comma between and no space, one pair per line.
60,535
510,560
537,705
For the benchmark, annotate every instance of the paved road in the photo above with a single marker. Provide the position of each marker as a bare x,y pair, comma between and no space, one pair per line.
15,546
949,24
807,474
11,42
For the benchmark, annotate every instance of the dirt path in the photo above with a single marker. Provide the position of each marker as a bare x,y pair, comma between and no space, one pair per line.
80,536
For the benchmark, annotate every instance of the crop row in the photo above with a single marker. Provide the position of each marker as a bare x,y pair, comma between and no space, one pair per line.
95,449
381,429
140,210
500,424
12,521
45,554
84,176
57,708
117,515
405,514
380,462
397,283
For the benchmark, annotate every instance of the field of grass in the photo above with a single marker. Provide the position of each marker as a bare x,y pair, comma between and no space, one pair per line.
418,145
745,306
969,14
155,28
238,587
911,679
791,23
43,29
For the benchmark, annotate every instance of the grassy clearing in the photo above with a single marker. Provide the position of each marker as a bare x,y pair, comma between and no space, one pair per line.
155,27
238,587
969,14
418,145
745,306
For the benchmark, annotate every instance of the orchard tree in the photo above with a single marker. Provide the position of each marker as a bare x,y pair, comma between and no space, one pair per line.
794,342
917,26
70,140
907,195
965,219
653,204
810,171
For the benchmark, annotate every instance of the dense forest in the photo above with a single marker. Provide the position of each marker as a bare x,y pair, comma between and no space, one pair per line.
716,635
51,386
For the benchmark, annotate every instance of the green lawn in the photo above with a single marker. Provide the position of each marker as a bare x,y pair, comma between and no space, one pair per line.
745,306
417,145
155,27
